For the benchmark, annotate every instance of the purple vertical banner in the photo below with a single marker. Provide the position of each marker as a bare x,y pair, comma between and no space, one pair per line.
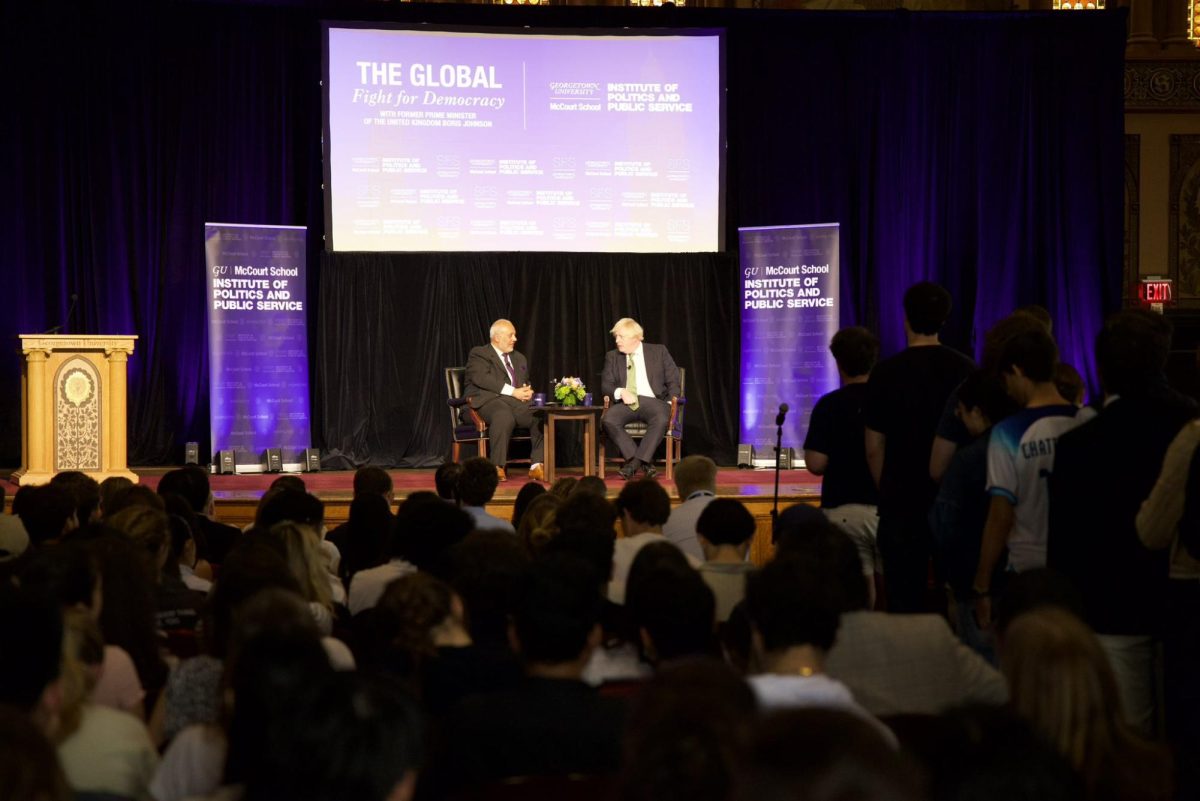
789,313
257,341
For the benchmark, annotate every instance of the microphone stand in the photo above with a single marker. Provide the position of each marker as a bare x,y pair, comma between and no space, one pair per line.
778,453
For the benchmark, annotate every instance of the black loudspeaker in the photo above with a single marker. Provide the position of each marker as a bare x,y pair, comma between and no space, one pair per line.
785,458
226,463
312,460
273,460
745,456
191,453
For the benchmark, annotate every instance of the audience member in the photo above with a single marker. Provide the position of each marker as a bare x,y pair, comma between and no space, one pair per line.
301,550
960,510
29,769
538,525
825,754
369,482
687,734
475,490
84,492
525,496
136,495
552,723
1062,683
643,506
46,511
177,607
110,488
834,448
31,636
14,540
726,529
1069,383
591,484
696,482
670,606
1020,457
427,529
364,536
563,487
488,571
1094,501
446,479
905,397
891,663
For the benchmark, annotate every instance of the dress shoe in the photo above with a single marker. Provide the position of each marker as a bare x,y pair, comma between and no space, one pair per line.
648,471
500,472
628,469
537,472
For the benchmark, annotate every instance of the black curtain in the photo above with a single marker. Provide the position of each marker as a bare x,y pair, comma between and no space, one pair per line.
983,151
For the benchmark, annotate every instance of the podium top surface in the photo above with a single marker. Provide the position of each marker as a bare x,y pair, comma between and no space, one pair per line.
61,342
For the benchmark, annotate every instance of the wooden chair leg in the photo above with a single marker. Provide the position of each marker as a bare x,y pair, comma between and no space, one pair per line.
455,452
483,448
670,459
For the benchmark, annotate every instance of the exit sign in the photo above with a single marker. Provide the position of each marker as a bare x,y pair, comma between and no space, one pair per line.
1156,292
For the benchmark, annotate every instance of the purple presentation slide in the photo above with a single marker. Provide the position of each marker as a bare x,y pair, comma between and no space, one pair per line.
440,140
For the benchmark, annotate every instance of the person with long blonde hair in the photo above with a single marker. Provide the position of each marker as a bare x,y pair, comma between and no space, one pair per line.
301,548
1060,680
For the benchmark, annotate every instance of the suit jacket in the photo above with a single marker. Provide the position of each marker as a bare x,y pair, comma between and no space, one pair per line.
1103,470
660,369
901,664
486,375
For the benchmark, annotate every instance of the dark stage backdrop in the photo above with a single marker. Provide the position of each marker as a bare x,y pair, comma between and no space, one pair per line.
983,151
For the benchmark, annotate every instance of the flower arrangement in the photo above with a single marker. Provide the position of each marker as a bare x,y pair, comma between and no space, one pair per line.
569,390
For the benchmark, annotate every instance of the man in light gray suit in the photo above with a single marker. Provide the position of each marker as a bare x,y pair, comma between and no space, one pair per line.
640,378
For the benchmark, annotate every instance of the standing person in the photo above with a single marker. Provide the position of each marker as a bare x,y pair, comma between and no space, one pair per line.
498,388
835,450
905,397
641,378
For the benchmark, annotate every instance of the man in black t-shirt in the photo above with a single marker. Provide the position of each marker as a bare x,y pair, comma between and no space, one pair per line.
905,397
835,451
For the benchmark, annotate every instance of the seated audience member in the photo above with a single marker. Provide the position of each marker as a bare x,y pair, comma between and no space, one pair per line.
69,575
365,535
552,723
1021,454
835,450
421,636
186,546
14,540
429,529
101,749
488,571
794,618
591,484
274,658
177,607
137,495
525,496
670,606
301,550
892,663
687,734
1094,501
960,510
538,525
696,481
642,507
825,754
726,529
475,490
46,511
369,482
29,769
31,636
563,487
84,492
305,509
365,741
445,481
1061,681
985,753
110,488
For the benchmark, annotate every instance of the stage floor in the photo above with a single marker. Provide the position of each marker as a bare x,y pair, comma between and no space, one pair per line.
237,496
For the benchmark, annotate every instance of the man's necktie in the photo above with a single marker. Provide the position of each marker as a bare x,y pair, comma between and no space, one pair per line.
631,394
512,374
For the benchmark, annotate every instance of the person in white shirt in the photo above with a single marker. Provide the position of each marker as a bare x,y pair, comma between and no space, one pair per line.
696,480
642,507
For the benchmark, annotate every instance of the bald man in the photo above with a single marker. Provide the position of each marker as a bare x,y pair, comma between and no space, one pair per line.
498,388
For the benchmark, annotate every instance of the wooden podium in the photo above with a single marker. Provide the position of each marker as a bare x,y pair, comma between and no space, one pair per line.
73,406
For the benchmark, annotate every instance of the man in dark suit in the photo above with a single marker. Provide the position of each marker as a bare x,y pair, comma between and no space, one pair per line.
641,378
1103,470
498,388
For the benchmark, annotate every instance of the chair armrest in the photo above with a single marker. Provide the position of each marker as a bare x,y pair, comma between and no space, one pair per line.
477,420
677,404
607,402
457,403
